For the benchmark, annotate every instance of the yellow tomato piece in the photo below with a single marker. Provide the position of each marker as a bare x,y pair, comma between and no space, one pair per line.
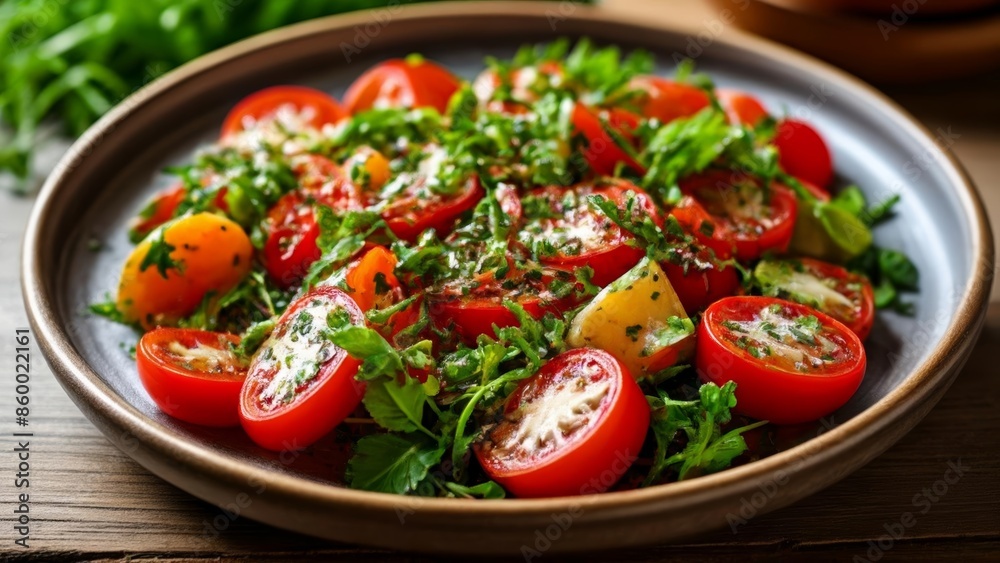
374,167
639,319
210,254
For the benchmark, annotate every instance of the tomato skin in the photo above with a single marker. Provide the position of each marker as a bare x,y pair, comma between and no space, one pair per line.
263,104
411,213
692,215
160,210
737,230
474,312
596,456
667,100
291,246
610,257
603,153
700,280
198,397
212,253
320,404
768,392
373,285
741,108
407,83
803,153
321,179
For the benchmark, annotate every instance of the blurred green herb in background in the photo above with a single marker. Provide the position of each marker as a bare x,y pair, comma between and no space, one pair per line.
67,62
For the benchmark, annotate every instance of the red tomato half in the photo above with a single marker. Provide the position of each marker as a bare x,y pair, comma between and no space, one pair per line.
698,277
667,100
524,82
418,208
300,385
407,83
791,363
582,236
741,108
192,375
603,152
803,153
473,307
157,212
291,246
294,103
732,214
845,296
323,180
573,428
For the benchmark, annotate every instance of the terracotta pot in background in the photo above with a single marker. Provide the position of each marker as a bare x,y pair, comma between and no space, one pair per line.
904,45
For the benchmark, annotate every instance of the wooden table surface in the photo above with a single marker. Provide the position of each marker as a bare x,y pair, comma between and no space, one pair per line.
91,502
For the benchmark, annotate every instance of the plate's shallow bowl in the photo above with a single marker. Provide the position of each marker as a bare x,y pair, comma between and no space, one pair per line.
115,166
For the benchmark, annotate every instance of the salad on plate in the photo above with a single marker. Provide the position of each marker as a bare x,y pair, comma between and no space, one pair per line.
567,276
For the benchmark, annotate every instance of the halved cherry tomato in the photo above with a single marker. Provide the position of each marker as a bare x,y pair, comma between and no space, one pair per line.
791,363
370,167
300,385
192,375
418,208
733,215
321,179
803,153
207,254
283,103
525,82
582,236
667,100
407,83
826,287
741,108
510,203
603,152
698,276
573,428
473,307
291,245
157,212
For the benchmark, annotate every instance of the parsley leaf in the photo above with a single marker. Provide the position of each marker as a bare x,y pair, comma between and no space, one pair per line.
159,255
392,463
707,448
397,407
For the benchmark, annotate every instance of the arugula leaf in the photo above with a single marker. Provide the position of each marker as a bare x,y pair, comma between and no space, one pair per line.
898,269
341,237
392,463
391,131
